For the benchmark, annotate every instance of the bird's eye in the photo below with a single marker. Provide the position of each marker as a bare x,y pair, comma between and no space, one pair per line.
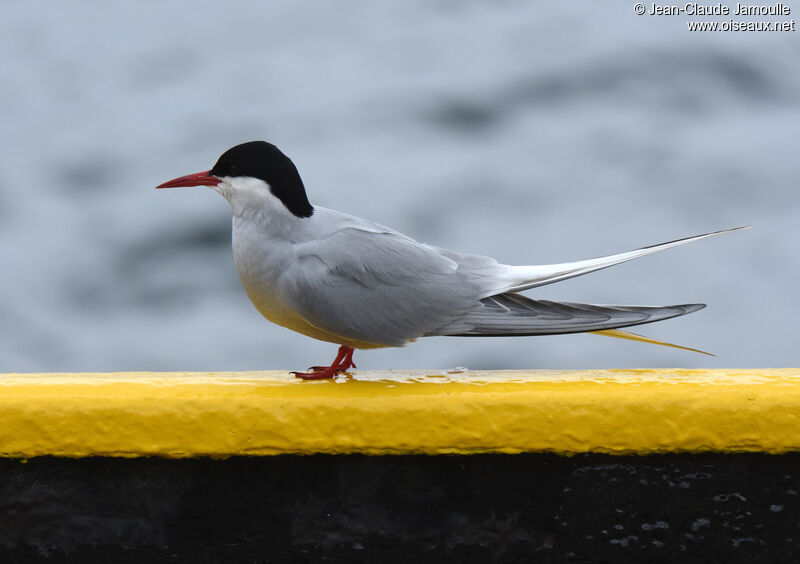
234,170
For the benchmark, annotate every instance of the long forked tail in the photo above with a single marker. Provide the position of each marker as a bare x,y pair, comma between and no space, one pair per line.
642,339
531,276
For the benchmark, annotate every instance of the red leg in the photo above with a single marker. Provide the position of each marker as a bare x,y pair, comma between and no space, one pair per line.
342,362
347,362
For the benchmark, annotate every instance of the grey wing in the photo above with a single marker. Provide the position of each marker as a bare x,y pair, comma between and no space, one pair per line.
515,315
381,288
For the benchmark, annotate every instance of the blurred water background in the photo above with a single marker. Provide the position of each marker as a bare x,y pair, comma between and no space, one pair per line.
531,132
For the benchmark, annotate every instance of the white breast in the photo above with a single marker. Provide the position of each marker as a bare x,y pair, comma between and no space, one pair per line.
264,263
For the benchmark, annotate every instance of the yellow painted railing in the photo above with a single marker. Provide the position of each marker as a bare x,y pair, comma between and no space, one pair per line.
224,414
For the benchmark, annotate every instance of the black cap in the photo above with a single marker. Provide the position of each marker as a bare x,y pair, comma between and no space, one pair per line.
262,160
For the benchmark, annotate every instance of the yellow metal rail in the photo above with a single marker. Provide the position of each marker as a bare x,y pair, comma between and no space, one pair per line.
264,413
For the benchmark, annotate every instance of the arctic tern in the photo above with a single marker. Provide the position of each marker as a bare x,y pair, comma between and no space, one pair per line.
353,282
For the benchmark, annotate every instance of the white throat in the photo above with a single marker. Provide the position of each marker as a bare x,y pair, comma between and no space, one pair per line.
251,199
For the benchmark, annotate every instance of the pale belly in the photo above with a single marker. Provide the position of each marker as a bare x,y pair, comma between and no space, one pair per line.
274,310
260,263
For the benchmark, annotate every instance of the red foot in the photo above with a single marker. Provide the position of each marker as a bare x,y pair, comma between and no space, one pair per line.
342,362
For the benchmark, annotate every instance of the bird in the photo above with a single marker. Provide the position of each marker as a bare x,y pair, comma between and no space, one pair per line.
358,284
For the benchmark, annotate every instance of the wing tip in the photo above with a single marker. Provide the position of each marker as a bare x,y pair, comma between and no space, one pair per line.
691,308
